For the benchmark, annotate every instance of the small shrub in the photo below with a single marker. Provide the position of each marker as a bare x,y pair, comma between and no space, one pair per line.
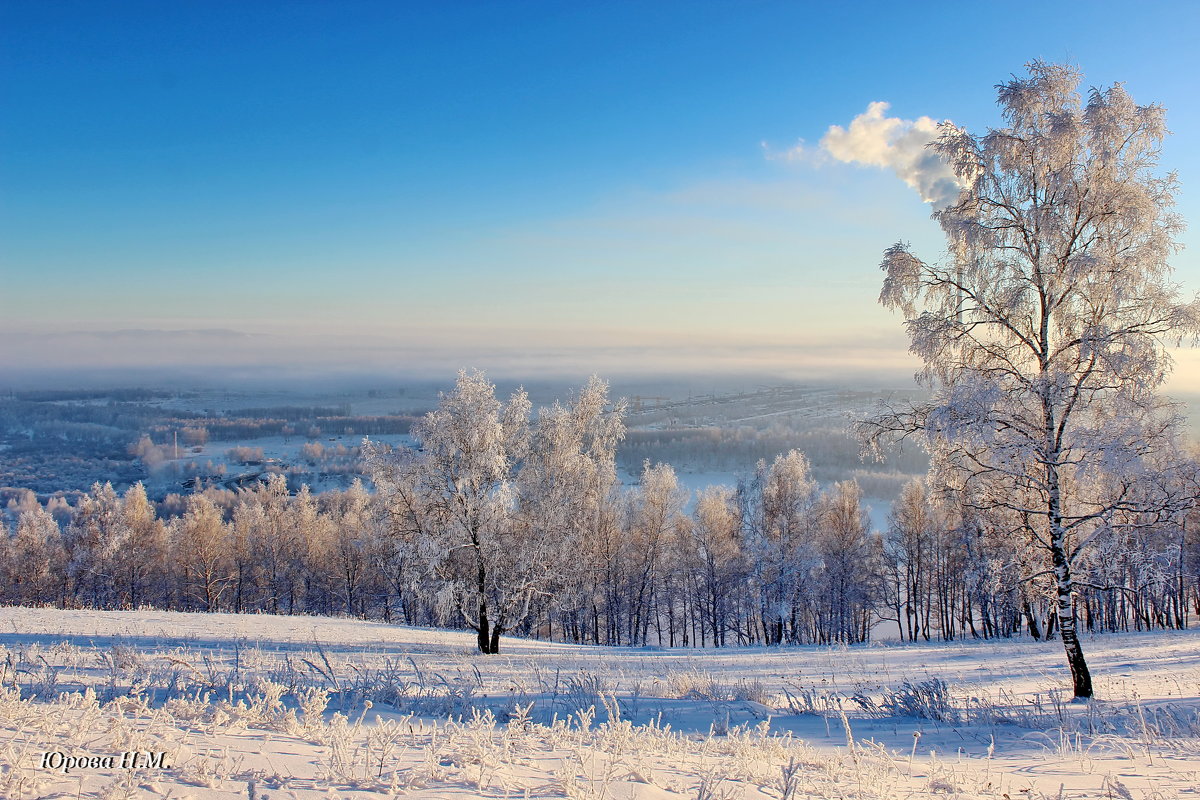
928,699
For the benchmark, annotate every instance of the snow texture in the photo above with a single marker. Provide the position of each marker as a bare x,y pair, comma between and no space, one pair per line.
305,707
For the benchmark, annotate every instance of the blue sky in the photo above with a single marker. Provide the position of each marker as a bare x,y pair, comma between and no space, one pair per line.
506,175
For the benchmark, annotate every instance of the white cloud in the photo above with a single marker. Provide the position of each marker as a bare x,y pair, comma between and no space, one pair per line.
897,144
801,152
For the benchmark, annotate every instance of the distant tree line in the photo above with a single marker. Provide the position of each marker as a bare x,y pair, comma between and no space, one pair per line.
237,429
127,395
291,412
17,416
509,522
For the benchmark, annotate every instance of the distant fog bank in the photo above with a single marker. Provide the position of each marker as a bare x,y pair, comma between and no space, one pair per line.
222,358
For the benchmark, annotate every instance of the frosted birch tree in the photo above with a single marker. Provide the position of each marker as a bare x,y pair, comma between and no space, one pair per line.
95,541
34,572
202,552
655,519
567,498
782,521
714,554
143,558
845,583
909,558
1044,330
271,539
350,539
454,500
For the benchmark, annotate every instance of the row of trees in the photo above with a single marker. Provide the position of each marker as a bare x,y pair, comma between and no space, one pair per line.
504,522
255,550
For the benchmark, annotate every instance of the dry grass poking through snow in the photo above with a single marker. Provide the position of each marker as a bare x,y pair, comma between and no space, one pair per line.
336,708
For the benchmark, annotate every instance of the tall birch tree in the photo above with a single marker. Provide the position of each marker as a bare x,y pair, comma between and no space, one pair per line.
1044,331
454,500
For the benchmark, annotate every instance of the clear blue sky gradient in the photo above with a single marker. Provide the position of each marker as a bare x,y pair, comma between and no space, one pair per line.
508,173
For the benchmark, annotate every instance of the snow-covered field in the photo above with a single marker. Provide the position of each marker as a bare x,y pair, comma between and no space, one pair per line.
281,707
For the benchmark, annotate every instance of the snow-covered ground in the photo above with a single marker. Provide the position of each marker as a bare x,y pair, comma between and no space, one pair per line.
317,707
